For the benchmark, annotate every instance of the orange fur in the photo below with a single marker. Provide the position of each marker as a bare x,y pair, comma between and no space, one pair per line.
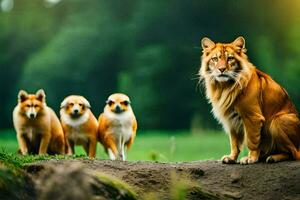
80,127
117,128
249,104
38,128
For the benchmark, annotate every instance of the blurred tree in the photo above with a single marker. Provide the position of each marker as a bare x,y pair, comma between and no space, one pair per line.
83,58
147,49
23,31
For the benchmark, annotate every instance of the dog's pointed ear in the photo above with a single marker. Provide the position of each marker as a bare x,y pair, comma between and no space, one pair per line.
239,43
207,43
64,103
22,96
40,95
87,103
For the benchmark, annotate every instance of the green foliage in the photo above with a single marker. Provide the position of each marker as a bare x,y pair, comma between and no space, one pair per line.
147,49
149,66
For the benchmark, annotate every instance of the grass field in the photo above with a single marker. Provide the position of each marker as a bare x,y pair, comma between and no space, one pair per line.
156,145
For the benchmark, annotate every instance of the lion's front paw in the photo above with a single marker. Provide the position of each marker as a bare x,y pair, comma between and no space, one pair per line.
248,160
227,159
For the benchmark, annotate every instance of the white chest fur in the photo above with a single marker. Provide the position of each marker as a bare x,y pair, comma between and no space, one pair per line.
121,125
75,132
73,122
231,121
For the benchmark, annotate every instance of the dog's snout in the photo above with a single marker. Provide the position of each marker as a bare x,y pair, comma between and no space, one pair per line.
75,109
75,112
31,115
118,108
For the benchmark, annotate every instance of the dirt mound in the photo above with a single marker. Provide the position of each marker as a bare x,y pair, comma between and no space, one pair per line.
103,179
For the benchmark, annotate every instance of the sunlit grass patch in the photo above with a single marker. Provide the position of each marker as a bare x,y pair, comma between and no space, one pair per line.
163,146
16,161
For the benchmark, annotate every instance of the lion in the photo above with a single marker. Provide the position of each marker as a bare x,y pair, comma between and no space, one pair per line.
250,105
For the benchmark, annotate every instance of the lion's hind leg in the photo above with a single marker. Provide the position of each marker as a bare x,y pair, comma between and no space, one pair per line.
285,131
277,158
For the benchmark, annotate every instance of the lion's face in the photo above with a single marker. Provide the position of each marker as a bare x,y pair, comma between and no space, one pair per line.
222,65
222,62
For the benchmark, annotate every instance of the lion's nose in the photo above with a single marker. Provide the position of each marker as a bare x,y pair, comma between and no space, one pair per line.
222,69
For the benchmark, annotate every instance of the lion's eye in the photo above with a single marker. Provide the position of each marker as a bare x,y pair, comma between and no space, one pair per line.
230,58
214,59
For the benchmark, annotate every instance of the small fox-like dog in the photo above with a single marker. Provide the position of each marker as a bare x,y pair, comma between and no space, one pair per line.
79,124
38,128
117,126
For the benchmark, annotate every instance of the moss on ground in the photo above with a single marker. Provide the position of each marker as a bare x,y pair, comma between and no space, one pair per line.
123,188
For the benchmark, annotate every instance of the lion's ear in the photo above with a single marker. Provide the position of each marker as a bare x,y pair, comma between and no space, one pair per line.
239,43
207,43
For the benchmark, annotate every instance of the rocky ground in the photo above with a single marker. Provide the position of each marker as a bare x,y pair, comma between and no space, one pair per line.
104,179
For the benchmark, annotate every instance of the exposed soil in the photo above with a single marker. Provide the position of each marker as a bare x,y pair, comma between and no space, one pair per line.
201,180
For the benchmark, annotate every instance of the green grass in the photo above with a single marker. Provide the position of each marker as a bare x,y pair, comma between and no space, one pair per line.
152,145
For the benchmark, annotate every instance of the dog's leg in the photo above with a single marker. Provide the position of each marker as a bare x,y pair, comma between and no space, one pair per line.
58,146
123,156
92,148
86,148
70,147
45,140
22,144
129,142
111,154
120,156
111,146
